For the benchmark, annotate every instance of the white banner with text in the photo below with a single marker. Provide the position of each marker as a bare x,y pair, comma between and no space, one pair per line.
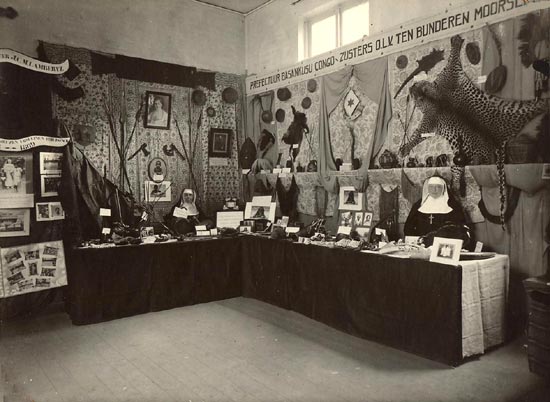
22,144
22,60
452,22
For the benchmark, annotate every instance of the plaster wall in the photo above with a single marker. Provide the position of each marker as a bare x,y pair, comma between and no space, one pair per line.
174,31
274,31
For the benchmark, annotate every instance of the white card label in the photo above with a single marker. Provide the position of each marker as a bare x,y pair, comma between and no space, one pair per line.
277,170
200,227
292,229
245,171
106,231
344,230
479,247
427,135
286,170
214,232
180,212
104,212
263,171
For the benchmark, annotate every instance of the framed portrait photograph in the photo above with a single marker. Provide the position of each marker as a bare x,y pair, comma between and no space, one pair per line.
50,162
446,251
157,170
358,219
16,180
49,185
158,108
158,192
367,219
56,211
219,143
350,199
43,211
260,211
346,218
14,222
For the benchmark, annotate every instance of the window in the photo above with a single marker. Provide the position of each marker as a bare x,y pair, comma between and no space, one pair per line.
336,27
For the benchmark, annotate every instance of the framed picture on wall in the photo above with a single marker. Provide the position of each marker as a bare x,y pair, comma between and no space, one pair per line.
158,108
49,185
16,180
219,143
14,222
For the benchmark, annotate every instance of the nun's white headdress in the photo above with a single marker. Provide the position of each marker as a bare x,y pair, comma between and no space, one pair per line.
431,205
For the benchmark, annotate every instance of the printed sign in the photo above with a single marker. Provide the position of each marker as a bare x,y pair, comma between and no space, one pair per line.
22,60
456,21
33,141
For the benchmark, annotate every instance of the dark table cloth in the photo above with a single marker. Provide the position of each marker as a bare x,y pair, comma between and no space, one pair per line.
412,305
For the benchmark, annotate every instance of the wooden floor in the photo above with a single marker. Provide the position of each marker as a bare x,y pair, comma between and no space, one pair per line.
238,350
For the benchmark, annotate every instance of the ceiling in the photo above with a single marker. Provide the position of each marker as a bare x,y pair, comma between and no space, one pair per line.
240,6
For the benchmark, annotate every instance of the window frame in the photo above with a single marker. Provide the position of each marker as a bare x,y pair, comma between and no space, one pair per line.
336,11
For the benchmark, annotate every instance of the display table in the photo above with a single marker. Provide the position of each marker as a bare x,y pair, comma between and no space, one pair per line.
438,311
115,282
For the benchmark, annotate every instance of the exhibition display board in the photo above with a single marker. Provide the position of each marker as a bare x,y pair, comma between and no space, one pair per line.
441,312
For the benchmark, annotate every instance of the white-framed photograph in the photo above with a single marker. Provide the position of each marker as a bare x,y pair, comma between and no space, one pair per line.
158,192
358,219
43,211
350,199
49,185
367,219
446,251
346,218
14,222
260,211
16,185
50,162
56,211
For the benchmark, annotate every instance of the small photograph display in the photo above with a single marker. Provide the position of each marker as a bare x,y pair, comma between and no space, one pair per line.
260,211
350,199
219,143
346,218
446,251
32,267
157,170
14,222
49,185
157,110
16,180
155,192
50,162
49,211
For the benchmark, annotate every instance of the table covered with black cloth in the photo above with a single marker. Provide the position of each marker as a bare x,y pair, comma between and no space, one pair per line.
410,304
115,282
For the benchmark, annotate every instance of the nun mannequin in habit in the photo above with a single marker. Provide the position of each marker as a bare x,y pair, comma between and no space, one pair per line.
189,214
434,210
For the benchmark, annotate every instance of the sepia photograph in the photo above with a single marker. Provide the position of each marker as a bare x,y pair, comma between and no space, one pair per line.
14,222
50,162
43,211
219,143
158,110
49,185
16,180
158,192
350,199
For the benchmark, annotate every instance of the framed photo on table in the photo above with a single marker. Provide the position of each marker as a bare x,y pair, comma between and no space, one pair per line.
350,199
158,109
446,251
219,143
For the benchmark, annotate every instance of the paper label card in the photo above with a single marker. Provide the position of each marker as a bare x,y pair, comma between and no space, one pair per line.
277,170
106,231
292,229
344,230
200,228
214,232
180,212
427,135
286,170
245,171
104,212
479,247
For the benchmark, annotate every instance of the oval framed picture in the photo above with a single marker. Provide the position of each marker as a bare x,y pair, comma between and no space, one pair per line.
157,170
